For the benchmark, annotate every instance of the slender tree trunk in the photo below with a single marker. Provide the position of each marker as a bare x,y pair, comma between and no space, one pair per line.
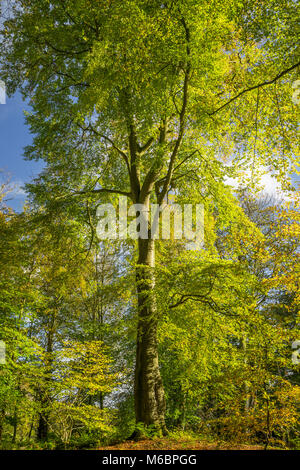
31,427
45,396
101,400
15,419
149,392
182,419
2,419
248,398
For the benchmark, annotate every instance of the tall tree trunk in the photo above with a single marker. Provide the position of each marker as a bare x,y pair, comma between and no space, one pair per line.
43,428
149,393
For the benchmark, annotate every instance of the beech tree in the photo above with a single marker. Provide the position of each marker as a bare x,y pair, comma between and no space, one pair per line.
138,97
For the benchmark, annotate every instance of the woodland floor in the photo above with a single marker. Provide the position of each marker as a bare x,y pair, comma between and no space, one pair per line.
175,444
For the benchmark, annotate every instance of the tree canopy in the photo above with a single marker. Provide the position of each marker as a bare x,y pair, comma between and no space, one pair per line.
156,100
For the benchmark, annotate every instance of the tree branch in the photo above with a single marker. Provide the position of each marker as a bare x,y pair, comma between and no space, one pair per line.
182,117
103,190
144,148
96,191
134,164
254,87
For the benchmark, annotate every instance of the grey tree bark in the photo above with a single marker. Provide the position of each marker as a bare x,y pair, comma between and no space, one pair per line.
149,392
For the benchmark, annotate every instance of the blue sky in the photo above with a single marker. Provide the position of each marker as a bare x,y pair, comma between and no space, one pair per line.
14,136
